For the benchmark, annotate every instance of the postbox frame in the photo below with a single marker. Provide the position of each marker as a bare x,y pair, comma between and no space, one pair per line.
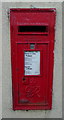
17,106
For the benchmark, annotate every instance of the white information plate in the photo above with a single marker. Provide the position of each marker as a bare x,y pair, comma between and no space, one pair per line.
32,62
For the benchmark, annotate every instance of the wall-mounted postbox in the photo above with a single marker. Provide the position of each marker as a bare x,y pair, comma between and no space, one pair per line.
32,57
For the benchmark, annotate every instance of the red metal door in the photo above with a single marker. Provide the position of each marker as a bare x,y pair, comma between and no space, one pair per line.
32,51
33,88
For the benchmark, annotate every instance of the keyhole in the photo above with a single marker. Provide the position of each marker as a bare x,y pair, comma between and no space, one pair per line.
23,78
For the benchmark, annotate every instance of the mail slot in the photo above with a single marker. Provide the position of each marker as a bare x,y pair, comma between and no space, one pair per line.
32,57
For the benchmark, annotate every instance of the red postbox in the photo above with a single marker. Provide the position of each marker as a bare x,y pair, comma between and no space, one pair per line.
32,57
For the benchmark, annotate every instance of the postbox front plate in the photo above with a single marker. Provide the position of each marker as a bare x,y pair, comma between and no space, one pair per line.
32,57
